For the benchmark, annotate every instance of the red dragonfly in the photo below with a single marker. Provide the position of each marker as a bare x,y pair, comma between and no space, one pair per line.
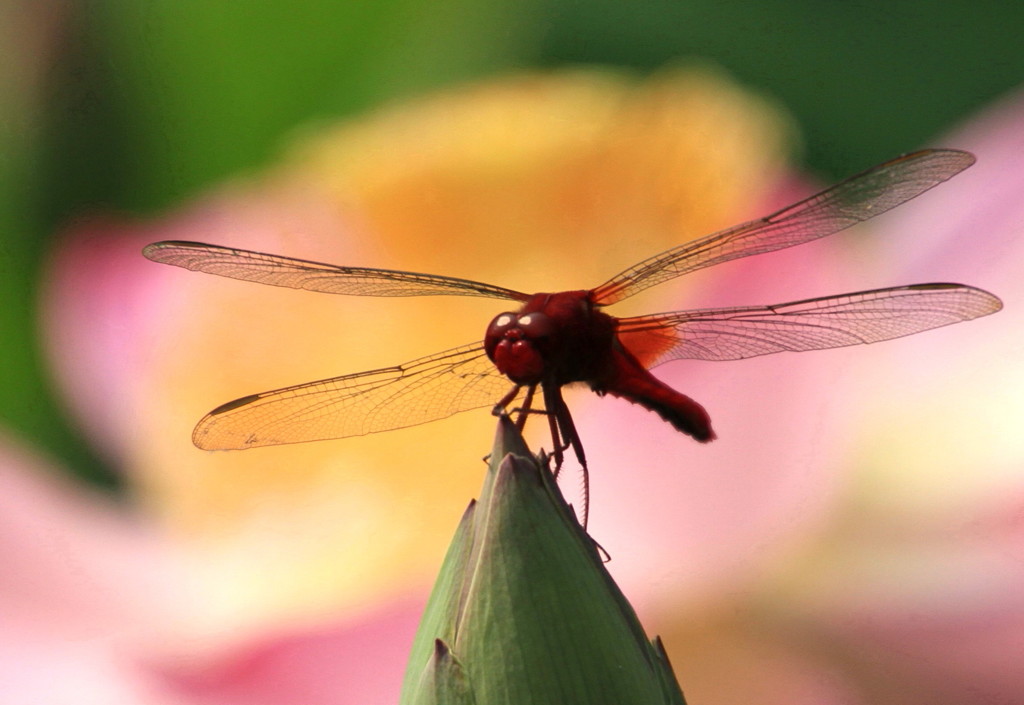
566,337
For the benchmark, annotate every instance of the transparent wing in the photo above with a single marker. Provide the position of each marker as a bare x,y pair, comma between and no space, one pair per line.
851,201
423,390
315,276
812,324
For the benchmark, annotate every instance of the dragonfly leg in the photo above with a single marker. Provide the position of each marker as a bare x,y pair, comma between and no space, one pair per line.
562,425
521,411
557,447
556,444
502,405
524,410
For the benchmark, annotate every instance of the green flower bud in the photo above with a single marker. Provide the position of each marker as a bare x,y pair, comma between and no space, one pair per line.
524,612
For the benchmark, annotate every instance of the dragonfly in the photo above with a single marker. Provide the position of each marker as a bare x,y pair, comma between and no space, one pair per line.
556,339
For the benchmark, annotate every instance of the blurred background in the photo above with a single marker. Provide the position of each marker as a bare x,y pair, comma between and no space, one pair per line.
118,118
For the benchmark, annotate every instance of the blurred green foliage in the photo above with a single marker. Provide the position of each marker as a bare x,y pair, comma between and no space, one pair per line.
866,80
135,106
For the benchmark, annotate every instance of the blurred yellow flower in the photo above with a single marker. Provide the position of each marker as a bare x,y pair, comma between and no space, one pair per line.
535,167
536,182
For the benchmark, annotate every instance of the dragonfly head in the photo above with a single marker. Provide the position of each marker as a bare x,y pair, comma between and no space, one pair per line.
515,342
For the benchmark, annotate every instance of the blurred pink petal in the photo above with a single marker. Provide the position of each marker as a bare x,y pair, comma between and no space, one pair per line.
911,583
355,663
946,608
98,316
94,609
731,506
944,519
83,592
107,307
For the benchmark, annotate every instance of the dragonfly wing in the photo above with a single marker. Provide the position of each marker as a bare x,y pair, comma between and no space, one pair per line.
849,202
812,324
315,276
423,390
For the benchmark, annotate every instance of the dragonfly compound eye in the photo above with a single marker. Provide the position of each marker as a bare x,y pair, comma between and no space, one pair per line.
535,325
497,330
